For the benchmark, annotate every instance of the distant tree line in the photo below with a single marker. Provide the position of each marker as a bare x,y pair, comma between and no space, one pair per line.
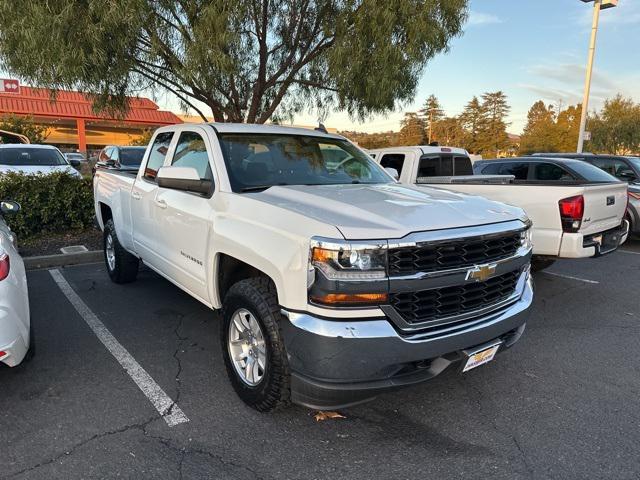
481,128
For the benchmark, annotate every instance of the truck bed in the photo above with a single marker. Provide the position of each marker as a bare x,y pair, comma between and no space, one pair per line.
540,201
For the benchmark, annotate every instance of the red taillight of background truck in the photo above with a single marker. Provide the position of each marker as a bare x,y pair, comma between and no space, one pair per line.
571,213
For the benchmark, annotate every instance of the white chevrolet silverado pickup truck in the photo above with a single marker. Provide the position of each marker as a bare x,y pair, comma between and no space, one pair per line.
335,283
577,210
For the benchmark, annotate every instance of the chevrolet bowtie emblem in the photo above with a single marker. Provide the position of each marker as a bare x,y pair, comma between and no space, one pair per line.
480,273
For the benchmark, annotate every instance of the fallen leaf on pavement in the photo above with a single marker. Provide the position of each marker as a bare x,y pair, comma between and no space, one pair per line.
321,416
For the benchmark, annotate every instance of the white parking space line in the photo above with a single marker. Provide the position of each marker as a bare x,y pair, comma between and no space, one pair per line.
569,277
628,251
166,407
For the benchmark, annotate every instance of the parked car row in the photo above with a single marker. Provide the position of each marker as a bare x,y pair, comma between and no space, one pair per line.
577,210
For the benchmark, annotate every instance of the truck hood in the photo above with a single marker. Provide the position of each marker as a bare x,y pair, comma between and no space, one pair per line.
387,211
44,169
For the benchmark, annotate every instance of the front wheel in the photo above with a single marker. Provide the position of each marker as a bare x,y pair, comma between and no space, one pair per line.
252,345
121,265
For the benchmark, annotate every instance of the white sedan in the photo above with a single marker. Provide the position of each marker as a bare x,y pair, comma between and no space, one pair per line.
16,341
29,159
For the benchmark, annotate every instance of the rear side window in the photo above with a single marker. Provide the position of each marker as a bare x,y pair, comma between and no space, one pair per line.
393,160
591,173
518,170
492,169
157,155
192,152
550,172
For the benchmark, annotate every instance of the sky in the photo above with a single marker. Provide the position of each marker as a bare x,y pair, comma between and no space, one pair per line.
531,50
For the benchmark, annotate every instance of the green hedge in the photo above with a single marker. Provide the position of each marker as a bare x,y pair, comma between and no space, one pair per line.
52,203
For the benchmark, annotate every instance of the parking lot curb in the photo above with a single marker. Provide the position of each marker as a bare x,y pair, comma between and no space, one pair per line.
63,260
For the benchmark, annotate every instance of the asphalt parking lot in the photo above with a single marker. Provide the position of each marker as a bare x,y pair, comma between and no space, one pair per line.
563,403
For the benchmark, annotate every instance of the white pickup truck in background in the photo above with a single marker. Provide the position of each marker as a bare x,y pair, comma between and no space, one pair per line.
577,210
335,282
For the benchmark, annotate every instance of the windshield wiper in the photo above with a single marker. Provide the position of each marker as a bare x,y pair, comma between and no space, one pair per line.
260,188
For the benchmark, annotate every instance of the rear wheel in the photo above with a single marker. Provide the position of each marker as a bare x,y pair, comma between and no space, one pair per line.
540,263
252,345
121,265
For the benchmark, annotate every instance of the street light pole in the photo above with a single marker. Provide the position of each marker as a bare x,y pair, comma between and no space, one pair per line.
587,84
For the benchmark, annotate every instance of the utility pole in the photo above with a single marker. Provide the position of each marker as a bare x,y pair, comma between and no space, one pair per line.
597,6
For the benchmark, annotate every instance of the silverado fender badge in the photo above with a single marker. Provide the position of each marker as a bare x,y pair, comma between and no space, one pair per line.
480,273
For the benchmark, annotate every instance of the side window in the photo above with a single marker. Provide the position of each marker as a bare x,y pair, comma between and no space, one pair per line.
551,172
462,166
393,160
518,170
114,154
157,155
613,166
192,152
492,169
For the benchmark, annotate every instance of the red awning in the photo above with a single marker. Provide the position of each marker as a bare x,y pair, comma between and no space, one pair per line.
38,102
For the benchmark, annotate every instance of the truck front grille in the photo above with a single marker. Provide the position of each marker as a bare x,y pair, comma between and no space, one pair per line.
438,303
452,254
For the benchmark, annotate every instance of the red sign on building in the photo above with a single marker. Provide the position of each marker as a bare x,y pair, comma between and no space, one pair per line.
9,86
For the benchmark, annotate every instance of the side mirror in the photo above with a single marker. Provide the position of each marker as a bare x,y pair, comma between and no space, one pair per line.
74,162
110,163
186,179
9,208
393,172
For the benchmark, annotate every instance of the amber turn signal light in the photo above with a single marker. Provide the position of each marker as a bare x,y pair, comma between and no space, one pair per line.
350,298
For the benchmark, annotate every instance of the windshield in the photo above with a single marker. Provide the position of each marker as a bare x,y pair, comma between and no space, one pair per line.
27,156
591,173
257,161
132,156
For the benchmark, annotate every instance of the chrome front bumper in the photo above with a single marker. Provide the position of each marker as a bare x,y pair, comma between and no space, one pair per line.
336,363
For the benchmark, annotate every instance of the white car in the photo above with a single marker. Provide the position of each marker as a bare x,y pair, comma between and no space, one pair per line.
15,326
34,159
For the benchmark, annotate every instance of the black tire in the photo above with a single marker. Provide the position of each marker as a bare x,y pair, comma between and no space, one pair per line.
540,263
125,265
258,296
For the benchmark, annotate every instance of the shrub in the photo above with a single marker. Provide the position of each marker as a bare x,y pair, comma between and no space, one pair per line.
53,203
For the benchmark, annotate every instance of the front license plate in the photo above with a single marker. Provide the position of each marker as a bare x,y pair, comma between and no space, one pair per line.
481,357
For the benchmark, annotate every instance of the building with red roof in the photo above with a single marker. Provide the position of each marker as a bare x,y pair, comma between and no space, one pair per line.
74,125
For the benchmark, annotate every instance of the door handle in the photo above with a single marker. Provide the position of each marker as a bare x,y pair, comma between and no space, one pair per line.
161,204
136,196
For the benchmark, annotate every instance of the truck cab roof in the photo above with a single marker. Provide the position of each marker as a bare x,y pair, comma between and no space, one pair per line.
268,129
425,149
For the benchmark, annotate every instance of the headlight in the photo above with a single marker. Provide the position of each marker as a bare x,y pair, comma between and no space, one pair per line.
526,237
349,261
347,274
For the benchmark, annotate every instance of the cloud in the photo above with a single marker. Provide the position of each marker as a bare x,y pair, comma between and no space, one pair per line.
572,74
565,81
479,18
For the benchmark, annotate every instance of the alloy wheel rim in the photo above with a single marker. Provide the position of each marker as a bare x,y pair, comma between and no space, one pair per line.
111,253
247,347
